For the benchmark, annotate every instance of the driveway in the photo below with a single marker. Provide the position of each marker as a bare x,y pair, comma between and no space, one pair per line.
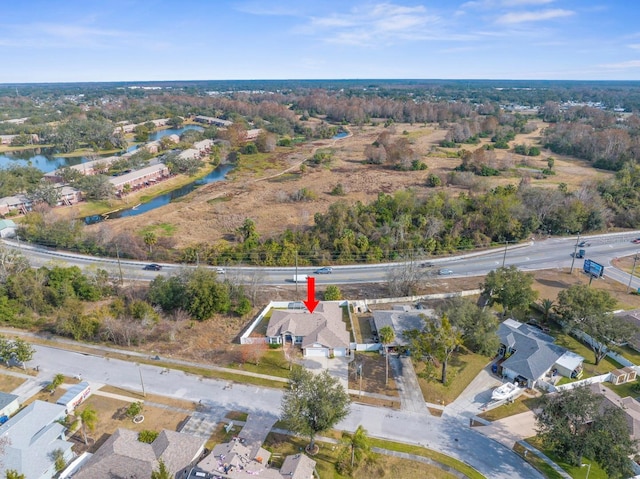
337,367
411,398
511,429
475,395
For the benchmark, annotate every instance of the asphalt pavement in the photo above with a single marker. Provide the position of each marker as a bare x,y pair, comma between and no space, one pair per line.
447,435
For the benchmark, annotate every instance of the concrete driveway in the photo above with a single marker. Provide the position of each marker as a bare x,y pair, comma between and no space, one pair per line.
511,429
475,395
337,367
411,398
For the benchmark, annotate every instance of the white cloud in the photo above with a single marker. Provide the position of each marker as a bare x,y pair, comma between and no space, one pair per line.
379,24
522,17
630,64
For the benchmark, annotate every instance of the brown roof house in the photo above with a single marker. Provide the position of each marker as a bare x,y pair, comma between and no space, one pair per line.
122,455
321,333
237,459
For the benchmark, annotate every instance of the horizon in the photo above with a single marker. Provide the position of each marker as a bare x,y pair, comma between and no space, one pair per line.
484,40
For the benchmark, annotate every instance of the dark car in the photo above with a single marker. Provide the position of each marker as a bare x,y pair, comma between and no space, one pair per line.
325,270
153,267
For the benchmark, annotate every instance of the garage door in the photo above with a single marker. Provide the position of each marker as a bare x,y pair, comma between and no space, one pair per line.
340,352
315,352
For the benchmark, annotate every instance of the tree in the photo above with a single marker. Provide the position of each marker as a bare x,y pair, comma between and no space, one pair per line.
357,447
150,239
56,382
439,340
13,474
22,351
332,293
88,418
479,327
162,472
573,423
509,287
387,336
58,458
313,403
590,311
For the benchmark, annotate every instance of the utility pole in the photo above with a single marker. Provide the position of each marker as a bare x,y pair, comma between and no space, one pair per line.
119,265
504,257
296,275
633,270
575,251
144,394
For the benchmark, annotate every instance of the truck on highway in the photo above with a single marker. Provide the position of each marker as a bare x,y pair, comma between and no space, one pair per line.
300,278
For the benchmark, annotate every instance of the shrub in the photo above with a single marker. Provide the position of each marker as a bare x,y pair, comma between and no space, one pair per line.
418,165
134,409
147,436
433,180
332,293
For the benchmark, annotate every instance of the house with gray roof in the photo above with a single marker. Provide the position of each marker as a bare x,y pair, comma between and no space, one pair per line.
527,355
32,436
122,455
402,318
9,403
321,333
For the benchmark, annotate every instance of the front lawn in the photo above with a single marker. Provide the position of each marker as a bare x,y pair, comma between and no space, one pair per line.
520,405
462,369
576,472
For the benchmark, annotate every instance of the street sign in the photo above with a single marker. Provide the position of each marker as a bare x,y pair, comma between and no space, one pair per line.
593,268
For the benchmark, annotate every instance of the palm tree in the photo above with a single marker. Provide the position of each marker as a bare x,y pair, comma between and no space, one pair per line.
358,443
13,474
150,239
57,380
547,305
387,336
162,472
88,419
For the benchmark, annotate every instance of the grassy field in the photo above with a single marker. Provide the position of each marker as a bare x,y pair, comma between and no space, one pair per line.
462,368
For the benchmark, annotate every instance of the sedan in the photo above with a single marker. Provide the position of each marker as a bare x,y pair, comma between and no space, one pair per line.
636,241
325,270
445,272
220,270
153,267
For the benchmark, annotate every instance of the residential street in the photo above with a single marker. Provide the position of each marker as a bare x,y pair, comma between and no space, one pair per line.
447,435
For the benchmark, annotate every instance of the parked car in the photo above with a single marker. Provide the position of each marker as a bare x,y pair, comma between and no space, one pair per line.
324,270
153,267
220,270
445,272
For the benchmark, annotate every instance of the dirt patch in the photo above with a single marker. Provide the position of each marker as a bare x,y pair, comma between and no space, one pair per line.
111,417
9,383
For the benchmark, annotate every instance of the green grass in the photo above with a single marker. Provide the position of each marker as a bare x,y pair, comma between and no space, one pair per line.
460,466
256,164
273,363
576,472
541,466
219,199
162,229
285,177
520,405
628,353
345,319
623,390
462,368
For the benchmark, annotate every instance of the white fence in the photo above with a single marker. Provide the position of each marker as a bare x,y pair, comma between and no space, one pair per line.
362,305
368,347
245,339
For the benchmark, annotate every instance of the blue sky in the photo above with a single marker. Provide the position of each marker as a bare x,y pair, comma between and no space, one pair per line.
130,40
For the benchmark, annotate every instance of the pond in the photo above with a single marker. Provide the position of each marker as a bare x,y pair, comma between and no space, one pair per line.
218,174
45,161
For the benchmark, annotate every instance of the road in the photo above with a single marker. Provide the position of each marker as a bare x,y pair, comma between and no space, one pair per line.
447,435
535,255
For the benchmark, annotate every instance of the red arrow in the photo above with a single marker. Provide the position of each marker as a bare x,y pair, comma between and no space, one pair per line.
311,301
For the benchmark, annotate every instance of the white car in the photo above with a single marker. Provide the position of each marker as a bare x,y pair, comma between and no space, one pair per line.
220,271
445,272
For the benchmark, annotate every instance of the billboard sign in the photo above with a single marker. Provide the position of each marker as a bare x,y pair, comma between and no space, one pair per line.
593,268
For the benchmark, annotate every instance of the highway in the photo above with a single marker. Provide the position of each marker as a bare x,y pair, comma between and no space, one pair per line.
535,255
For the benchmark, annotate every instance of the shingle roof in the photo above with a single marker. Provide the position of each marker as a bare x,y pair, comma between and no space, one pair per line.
6,399
298,467
401,321
534,353
324,326
122,455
